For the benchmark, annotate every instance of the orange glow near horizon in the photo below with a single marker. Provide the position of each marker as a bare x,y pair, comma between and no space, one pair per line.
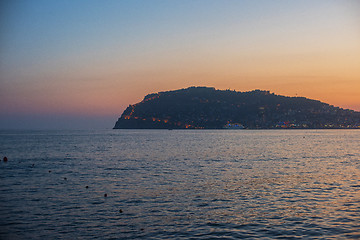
64,66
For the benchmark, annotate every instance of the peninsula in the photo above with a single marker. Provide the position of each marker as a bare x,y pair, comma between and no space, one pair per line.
208,108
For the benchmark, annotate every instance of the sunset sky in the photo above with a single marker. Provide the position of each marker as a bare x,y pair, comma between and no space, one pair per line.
79,64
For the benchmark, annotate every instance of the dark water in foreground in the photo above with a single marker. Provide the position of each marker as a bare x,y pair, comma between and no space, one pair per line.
282,184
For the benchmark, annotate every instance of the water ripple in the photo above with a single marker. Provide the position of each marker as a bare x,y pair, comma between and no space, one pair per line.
180,185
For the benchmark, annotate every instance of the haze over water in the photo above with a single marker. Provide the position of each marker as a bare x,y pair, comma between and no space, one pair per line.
179,184
79,64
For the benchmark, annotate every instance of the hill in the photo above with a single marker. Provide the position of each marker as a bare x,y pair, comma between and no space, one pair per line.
208,108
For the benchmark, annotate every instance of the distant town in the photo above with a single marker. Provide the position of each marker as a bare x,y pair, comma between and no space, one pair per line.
208,108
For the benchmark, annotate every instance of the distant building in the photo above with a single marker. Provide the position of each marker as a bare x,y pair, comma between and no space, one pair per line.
234,126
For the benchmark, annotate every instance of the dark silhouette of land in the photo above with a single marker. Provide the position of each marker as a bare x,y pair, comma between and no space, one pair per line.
208,108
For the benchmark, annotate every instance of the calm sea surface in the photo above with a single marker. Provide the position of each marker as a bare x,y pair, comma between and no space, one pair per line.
180,184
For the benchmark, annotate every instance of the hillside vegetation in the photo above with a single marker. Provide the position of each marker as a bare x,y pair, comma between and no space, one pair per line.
208,108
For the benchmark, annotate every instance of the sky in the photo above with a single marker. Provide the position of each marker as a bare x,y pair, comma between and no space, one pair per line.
78,64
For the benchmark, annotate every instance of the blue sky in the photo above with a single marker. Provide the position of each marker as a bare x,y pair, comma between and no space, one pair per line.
89,60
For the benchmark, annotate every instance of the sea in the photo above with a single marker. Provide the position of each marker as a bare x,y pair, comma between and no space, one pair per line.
180,184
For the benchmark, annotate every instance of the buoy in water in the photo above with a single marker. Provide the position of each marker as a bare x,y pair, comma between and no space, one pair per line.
5,159
105,195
